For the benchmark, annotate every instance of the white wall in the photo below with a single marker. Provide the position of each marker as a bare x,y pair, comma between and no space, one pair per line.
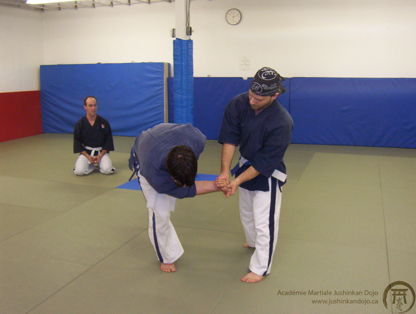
327,38
139,33
20,49
338,38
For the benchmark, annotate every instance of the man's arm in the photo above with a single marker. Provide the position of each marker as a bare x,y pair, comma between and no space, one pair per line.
78,147
227,155
247,175
204,187
89,157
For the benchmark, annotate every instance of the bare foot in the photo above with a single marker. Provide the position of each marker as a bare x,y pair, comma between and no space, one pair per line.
252,277
247,246
168,268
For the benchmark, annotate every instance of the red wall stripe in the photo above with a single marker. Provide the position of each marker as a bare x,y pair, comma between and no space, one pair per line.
20,115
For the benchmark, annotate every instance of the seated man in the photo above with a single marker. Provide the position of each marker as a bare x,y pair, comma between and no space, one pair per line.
92,140
165,159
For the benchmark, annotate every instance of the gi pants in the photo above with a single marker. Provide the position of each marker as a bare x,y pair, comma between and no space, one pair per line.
83,167
162,234
260,213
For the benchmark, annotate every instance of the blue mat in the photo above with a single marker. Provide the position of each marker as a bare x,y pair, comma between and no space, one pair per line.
134,183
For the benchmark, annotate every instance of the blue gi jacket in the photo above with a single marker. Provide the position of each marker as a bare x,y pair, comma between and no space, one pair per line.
263,138
151,148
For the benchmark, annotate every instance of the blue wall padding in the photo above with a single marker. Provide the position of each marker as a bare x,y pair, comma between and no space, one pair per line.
211,96
183,80
354,111
329,111
130,96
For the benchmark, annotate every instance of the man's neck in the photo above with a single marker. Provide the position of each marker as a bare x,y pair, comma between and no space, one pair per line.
260,110
91,119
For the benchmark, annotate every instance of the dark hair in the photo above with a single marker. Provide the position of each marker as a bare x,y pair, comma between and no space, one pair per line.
182,165
85,99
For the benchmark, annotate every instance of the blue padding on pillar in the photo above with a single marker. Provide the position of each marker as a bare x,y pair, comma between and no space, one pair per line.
183,81
131,96
354,111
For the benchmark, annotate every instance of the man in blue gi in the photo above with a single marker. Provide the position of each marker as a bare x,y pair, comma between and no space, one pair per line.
93,140
263,128
165,159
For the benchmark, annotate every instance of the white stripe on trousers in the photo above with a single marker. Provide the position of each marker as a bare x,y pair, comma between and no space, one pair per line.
162,234
260,213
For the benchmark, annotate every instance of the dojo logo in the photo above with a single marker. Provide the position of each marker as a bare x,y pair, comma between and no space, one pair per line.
399,297
268,74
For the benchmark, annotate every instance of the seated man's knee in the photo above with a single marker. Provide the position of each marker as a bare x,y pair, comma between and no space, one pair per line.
107,169
82,168
81,172
106,166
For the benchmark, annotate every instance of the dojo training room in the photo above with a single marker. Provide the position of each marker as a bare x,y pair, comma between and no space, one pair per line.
80,244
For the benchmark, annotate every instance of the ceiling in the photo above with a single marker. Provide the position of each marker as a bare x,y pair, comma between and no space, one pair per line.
74,5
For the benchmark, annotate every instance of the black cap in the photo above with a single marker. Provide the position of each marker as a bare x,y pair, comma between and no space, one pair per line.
267,82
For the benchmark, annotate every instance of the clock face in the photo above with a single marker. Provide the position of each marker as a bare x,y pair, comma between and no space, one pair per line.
233,16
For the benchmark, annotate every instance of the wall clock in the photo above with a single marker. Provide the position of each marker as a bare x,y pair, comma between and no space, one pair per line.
233,16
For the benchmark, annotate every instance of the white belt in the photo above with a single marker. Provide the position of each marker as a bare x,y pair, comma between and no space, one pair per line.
242,161
93,149
279,175
276,174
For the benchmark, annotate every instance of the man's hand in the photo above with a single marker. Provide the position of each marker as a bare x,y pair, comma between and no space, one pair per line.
91,159
232,188
227,188
224,176
227,154
223,183
97,159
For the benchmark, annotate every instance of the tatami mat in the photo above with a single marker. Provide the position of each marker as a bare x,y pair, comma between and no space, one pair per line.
73,244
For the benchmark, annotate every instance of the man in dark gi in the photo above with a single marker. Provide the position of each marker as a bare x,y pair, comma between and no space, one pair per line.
263,128
93,141
165,159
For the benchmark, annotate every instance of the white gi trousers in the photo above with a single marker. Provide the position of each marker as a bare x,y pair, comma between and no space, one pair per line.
83,167
162,234
260,213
